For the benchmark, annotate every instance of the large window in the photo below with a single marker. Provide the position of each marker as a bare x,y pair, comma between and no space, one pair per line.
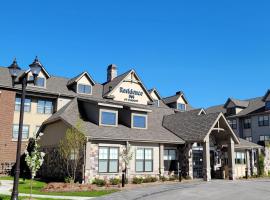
264,137
247,123
233,123
144,160
15,131
27,104
40,81
45,107
170,163
263,120
108,118
240,158
84,89
181,106
139,121
108,159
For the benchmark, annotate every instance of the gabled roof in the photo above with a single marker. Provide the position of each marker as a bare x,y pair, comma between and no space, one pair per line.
174,98
42,69
237,103
155,132
110,86
192,127
266,95
244,144
78,77
155,91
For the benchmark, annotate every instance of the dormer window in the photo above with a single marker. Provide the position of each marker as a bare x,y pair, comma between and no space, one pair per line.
156,102
139,121
108,117
40,81
267,105
181,106
84,89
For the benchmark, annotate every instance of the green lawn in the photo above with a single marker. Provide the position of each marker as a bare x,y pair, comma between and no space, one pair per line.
6,178
5,197
24,187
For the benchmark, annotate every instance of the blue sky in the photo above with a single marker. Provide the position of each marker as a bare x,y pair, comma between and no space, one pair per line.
209,49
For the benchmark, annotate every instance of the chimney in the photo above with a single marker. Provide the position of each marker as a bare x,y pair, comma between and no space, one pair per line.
111,72
179,92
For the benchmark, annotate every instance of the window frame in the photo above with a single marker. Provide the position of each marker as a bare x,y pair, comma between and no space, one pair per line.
16,138
263,122
264,136
38,77
168,161
91,88
139,115
233,125
144,160
109,111
44,107
182,104
156,103
248,124
17,106
108,159
240,160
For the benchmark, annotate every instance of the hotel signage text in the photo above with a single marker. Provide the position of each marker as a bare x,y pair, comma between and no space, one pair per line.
131,94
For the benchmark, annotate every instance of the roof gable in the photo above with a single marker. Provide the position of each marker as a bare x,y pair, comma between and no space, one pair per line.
78,77
266,96
175,98
154,90
236,102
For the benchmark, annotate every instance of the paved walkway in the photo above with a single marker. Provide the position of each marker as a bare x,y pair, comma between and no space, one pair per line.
214,190
6,187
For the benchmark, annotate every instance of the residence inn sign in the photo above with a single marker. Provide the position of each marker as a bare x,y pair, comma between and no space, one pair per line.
131,94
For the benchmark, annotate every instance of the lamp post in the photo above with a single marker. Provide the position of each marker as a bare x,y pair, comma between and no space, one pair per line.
14,69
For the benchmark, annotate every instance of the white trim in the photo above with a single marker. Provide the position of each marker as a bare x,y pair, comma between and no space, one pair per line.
77,88
137,114
202,111
110,105
109,145
140,109
111,111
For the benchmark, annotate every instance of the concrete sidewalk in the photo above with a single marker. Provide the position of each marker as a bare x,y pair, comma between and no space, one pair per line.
6,187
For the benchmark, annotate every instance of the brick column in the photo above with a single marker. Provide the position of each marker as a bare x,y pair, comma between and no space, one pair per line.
206,160
231,159
87,162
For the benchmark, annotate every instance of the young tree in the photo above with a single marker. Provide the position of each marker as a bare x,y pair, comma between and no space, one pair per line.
127,156
34,159
71,148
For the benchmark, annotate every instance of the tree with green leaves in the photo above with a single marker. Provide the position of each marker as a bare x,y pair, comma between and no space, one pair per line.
126,156
71,147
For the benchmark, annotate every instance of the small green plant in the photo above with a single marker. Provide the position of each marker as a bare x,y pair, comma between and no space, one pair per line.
99,182
261,165
173,178
69,179
137,180
269,173
188,178
163,178
149,179
115,181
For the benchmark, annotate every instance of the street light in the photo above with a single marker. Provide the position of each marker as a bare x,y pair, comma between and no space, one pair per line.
14,71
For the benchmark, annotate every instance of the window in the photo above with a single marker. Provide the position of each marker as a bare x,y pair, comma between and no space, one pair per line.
240,158
231,111
27,104
264,137
15,131
108,118
233,123
247,123
144,160
84,89
139,121
181,106
156,102
267,105
249,139
108,160
40,81
263,120
170,163
45,107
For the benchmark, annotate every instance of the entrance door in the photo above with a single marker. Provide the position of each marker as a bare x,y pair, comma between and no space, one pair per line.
197,163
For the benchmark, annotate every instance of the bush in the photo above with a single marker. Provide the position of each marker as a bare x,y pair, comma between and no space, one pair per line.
163,178
269,173
137,180
173,178
261,165
115,181
188,177
69,180
99,182
149,179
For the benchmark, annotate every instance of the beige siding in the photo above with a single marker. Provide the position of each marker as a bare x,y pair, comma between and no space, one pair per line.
62,102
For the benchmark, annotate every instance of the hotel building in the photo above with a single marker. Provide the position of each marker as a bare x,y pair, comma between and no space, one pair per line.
164,134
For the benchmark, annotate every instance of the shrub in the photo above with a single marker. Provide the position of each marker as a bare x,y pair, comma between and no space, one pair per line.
114,181
188,178
137,180
149,179
69,180
173,178
163,178
261,165
99,182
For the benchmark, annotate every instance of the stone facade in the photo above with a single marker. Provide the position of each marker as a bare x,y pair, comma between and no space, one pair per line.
267,160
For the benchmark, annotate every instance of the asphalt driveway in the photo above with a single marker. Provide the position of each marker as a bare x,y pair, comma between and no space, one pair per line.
199,190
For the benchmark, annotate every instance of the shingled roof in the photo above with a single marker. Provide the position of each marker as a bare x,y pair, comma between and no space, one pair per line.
237,103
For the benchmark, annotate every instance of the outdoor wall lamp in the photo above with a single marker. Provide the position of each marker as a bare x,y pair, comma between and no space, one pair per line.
14,71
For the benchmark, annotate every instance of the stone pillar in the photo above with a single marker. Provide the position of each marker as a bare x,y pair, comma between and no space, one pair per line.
231,159
87,164
161,159
248,164
190,161
128,166
252,162
206,160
